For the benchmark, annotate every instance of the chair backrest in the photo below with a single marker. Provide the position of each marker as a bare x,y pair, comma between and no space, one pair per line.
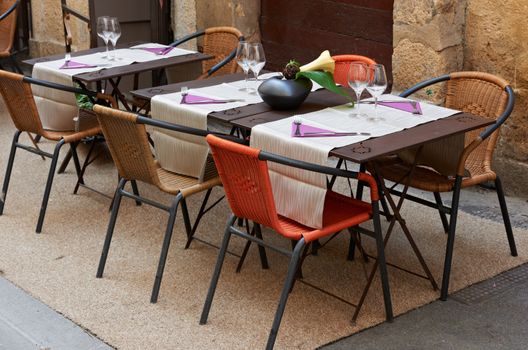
19,100
7,27
484,95
246,181
128,144
220,42
342,62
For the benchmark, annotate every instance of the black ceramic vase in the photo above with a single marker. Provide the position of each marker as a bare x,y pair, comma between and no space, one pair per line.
284,94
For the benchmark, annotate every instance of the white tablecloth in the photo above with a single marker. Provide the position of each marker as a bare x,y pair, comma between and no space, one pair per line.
57,109
299,195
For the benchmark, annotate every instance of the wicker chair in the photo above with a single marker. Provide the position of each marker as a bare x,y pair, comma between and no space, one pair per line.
220,42
342,62
8,21
480,94
18,97
127,140
244,173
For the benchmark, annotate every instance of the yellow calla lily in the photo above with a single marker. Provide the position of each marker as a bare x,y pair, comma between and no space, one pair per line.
324,62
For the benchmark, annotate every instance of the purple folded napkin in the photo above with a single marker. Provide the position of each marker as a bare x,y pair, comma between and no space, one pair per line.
75,65
407,106
158,50
195,100
304,130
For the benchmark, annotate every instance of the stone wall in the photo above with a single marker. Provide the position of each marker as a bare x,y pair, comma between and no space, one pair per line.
48,32
496,41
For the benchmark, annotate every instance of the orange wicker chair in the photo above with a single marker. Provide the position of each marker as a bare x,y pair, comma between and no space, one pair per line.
18,97
8,21
127,140
341,66
244,174
220,42
480,94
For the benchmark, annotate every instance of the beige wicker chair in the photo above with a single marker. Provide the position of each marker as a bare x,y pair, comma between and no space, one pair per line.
18,97
8,21
480,94
128,143
220,42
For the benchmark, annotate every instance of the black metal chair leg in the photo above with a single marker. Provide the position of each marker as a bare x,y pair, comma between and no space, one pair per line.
246,247
450,238
65,162
135,190
443,216
505,217
47,191
165,248
110,230
198,218
288,283
360,185
217,270
186,219
262,250
8,170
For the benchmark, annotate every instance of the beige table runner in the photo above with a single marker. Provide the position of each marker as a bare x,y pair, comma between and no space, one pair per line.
299,195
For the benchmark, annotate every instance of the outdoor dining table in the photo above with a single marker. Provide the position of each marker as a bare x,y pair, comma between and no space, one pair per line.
244,118
114,74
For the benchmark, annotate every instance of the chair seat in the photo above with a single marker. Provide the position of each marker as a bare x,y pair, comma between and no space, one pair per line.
339,212
424,178
174,183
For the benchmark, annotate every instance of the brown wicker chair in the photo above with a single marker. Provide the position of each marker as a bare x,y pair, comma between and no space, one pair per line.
8,21
220,42
127,140
18,97
480,94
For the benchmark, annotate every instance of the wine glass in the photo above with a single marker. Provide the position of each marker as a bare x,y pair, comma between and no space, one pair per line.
257,58
242,59
377,84
103,31
115,33
357,80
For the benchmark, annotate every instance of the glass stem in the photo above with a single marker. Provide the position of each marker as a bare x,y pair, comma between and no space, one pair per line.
358,94
246,75
375,103
107,54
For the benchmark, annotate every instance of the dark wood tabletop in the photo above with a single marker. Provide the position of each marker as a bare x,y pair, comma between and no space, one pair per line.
130,69
247,117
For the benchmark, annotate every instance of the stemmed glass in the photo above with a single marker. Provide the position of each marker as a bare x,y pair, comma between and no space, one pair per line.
257,58
242,59
103,31
357,80
115,32
377,84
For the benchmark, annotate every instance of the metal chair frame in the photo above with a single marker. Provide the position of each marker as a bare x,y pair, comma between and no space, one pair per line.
450,225
53,156
300,249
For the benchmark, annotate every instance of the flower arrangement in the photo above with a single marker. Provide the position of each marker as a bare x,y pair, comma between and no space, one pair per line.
320,70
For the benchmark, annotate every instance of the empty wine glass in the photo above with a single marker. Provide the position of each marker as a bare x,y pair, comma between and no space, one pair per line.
257,58
357,80
115,33
242,59
376,86
103,31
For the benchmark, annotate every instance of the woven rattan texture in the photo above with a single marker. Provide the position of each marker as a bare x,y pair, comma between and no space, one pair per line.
342,64
481,95
219,42
7,28
20,103
128,145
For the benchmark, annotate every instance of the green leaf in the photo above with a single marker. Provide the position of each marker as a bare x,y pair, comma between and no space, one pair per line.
83,101
326,80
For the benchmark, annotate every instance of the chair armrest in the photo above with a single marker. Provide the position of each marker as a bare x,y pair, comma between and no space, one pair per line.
9,10
187,38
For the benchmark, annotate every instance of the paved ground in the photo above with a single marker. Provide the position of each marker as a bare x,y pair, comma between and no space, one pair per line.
491,315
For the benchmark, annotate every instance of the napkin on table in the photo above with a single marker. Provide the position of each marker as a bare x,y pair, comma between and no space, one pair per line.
76,65
406,106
